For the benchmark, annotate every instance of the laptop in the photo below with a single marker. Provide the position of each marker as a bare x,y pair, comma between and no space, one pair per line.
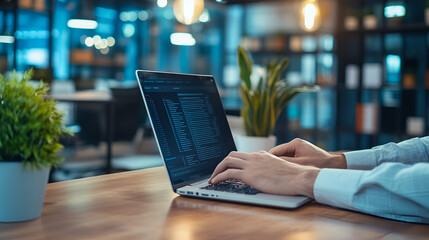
193,137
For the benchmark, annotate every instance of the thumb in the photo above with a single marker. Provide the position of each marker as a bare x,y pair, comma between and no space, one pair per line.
286,149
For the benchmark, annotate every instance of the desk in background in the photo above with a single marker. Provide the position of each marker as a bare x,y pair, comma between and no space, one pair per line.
105,99
141,205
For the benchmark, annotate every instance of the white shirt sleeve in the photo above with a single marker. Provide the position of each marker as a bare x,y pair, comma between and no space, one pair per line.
391,190
409,152
393,181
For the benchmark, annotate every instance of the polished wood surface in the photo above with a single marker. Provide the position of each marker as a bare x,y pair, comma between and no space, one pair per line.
141,205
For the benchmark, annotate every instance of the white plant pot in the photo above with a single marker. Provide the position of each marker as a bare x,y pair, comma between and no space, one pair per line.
22,191
251,144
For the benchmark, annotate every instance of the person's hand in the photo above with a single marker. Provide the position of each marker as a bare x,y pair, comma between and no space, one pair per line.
267,173
304,153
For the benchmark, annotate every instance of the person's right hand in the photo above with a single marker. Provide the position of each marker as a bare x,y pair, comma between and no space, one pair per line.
304,153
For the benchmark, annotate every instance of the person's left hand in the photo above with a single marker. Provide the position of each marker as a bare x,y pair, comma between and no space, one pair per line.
267,173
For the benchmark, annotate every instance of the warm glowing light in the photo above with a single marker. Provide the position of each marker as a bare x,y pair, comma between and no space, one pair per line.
182,39
188,8
89,41
82,24
100,43
162,3
111,41
97,40
6,39
310,15
105,50
188,11
103,43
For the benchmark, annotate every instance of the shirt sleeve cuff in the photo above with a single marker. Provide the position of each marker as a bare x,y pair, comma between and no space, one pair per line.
336,187
362,160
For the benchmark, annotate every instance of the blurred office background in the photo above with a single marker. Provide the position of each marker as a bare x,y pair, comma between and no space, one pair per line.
368,56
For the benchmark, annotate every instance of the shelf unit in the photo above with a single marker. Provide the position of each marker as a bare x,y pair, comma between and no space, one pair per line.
341,130
391,120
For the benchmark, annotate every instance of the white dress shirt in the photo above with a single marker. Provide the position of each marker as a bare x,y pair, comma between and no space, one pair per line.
390,181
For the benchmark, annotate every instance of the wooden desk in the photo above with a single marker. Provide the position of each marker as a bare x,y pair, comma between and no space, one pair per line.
105,99
84,96
141,205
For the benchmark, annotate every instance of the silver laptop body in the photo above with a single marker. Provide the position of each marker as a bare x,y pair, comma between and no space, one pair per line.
193,135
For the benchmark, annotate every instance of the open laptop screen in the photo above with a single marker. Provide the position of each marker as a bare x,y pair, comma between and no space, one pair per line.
189,122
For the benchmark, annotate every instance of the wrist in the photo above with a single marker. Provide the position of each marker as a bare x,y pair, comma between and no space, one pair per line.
338,161
308,178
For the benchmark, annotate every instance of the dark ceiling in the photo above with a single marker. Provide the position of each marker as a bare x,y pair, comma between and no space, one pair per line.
153,2
247,1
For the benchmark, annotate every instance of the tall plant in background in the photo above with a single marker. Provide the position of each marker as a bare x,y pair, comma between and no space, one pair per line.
264,101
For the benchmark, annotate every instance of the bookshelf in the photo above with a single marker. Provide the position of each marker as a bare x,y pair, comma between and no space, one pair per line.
384,76
376,88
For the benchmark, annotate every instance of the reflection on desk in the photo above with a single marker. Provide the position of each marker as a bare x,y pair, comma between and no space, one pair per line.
141,205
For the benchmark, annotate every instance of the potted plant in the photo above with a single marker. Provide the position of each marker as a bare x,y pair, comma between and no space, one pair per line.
29,132
263,102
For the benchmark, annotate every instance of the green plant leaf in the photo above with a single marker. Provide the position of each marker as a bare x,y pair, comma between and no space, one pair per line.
263,103
245,65
30,123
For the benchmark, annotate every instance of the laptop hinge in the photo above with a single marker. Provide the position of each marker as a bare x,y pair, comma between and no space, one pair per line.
175,187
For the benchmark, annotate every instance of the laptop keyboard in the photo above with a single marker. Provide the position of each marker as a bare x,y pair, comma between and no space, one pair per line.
232,185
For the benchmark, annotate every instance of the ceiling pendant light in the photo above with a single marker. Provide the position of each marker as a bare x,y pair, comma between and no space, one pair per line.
188,11
310,15
84,18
